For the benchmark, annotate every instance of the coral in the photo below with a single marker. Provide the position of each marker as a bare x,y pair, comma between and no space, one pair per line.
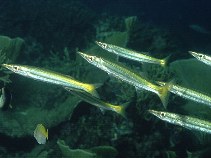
25,117
9,51
107,25
74,67
36,102
148,38
95,152
114,31
67,152
53,104
117,38
11,47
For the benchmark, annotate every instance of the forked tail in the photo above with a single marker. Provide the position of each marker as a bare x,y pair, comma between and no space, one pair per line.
91,88
164,61
163,93
120,109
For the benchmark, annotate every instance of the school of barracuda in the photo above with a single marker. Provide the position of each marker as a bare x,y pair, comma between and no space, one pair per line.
88,93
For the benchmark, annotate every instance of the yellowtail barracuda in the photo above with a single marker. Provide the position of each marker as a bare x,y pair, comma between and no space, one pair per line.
202,57
128,76
184,121
132,55
120,109
51,77
188,94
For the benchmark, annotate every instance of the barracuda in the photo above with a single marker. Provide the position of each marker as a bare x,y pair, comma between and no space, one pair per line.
51,77
132,55
188,94
183,120
202,57
120,109
128,76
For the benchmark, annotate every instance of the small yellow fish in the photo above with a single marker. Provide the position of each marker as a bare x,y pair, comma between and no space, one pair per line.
41,134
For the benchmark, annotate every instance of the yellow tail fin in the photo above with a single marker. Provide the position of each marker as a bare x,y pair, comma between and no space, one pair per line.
120,109
91,88
164,61
163,93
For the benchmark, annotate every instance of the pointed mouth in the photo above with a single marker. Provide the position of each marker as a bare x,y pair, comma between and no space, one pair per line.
101,44
87,57
10,67
156,113
193,53
98,43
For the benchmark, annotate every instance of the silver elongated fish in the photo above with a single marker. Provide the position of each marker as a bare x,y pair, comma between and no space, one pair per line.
202,57
120,109
184,121
132,55
199,29
188,94
51,77
128,76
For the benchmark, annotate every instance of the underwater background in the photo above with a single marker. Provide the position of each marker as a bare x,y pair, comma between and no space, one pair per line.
48,33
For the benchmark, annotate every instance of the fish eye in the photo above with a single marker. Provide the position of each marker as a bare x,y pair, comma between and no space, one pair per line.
91,58
104,45
162,114
16,68
200,56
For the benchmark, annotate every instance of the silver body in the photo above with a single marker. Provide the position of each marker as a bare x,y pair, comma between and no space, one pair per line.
202,57
130,54
48,76
191,94
121,73
184,121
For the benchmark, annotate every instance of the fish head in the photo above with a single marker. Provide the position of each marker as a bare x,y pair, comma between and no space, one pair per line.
101,44
198,56
91,59
159,114
17,68
104,45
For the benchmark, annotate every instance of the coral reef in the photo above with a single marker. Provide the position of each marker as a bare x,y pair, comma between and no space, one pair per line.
95,152
46,101
79,124
24,119
11,47
9,51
